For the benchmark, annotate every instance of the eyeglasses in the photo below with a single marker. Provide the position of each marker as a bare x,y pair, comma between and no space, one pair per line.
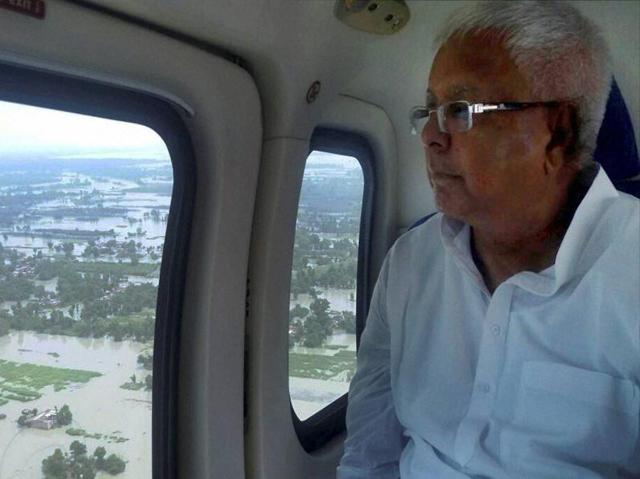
457,116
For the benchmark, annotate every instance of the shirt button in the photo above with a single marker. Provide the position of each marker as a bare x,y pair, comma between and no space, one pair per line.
495,329
484,388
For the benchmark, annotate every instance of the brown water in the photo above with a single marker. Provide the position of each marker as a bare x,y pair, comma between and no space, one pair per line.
99,406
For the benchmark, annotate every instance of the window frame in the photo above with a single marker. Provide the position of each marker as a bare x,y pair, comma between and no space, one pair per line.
317,430
57,91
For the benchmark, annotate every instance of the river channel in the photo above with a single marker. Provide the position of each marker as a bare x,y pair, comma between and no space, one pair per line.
99,406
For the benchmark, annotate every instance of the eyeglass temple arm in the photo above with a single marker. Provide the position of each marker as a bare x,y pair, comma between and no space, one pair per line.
506,106
482,107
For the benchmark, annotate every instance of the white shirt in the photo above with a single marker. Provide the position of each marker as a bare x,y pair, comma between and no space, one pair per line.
539,380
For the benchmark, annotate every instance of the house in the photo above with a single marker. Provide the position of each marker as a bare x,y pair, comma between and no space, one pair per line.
45,420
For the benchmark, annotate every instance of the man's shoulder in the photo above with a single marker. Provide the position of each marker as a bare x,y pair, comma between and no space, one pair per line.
626,212
419,242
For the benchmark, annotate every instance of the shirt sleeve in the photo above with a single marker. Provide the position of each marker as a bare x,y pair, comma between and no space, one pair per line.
374,435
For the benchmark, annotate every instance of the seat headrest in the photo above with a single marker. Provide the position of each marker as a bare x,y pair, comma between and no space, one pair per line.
616,148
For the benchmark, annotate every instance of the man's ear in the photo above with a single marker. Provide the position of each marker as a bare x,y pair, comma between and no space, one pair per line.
562,122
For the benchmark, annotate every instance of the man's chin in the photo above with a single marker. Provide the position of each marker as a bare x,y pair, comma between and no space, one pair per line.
452,208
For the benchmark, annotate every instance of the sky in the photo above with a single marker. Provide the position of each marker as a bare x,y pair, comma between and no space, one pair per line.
324,158
27,130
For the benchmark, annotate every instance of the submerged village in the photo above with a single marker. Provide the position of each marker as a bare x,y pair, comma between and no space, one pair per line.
80,250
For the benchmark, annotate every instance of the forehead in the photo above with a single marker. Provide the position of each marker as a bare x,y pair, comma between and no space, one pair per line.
476,68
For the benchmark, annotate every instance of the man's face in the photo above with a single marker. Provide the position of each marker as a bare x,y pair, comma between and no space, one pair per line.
496,169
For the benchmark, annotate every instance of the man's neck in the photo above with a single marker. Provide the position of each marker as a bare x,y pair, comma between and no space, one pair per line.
500,255
497,260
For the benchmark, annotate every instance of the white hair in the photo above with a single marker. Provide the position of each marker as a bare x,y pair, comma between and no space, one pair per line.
561,53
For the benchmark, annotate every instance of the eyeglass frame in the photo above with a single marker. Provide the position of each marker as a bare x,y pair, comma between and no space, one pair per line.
474,108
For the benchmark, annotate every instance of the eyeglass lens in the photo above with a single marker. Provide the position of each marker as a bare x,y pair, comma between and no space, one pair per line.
453,116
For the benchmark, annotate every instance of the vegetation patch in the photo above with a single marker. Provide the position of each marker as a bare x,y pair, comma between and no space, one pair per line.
23,381
346,354
82,433
318,366
103,267
78,463
132,386
18,393
135,384
76,432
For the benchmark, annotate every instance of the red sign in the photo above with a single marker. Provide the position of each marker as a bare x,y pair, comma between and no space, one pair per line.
33,8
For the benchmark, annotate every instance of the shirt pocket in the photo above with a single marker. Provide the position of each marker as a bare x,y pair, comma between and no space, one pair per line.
567,416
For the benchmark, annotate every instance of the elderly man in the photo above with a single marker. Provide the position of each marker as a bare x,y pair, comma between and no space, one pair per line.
503,338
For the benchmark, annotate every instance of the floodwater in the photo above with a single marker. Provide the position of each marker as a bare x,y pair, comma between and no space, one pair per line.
308,396
152,232
137,280
339,299
99,406
49,285
116,195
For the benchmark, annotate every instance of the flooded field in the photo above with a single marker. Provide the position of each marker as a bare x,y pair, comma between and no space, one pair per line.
99,406
339,299
117,419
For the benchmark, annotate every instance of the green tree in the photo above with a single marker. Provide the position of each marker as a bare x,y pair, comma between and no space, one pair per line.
297,331
78,450
84,469
55,466
68,250
64,417
47,270
16,288
114,465
298,311
348,322
99,454
317,326
320,308
146,360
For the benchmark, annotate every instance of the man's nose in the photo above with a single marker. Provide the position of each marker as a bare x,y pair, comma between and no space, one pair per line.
433,138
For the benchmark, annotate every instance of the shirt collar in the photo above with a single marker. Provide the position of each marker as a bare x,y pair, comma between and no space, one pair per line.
584,241
456,237
582,244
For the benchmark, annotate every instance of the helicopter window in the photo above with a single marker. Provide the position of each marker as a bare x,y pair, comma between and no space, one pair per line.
327,300
87,206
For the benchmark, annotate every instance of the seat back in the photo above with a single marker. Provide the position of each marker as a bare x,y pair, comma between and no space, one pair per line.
616,149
